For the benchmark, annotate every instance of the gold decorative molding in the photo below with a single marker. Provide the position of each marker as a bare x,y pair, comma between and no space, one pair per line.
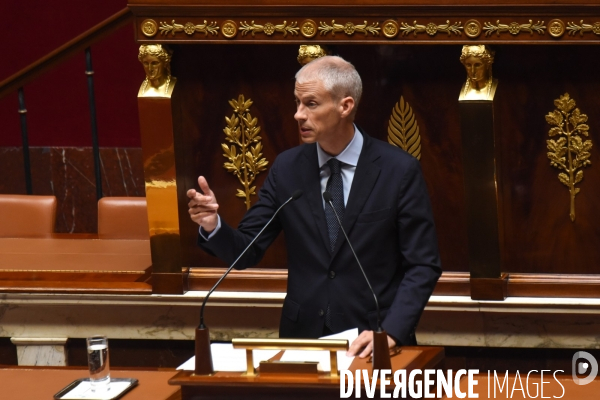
269,28
431,29
403,130
149,27
556,28
568,122
229,29
381,27
390,29
189,28
582,28
349,28
514,28
242,131
472,28
308,28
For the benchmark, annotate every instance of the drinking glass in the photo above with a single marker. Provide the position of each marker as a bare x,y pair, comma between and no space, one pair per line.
97,348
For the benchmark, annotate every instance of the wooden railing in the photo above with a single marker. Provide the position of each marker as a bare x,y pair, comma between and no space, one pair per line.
64,52
52,60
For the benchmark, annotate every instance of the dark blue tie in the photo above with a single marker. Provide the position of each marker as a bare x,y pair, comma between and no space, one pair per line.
335,186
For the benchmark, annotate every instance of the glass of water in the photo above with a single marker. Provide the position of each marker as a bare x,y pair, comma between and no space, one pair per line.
97,348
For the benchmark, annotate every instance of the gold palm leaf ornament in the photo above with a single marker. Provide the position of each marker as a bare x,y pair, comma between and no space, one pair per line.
403,130
245,153
569,152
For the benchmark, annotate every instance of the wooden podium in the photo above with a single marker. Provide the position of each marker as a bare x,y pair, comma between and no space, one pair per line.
228,385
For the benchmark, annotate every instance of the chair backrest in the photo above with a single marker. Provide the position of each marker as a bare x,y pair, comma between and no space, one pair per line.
123,218
27,215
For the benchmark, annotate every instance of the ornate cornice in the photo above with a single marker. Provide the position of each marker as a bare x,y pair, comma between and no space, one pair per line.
443,29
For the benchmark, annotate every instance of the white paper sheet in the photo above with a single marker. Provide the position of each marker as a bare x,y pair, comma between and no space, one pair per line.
84,391
226,358
322,357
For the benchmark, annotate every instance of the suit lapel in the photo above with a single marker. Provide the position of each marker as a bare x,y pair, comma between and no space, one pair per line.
365,176
312,189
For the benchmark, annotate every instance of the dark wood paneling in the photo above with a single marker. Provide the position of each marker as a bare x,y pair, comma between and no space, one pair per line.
210,76
428,78
481,197
539,236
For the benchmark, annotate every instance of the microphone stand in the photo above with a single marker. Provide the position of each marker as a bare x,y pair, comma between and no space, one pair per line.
381,350
204,365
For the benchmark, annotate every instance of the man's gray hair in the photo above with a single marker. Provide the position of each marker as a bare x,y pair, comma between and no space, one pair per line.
339,77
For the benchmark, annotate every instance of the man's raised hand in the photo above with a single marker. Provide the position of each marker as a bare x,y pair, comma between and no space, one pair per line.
203,206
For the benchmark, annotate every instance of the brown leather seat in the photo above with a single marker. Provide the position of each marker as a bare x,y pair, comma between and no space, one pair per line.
123,218
27,215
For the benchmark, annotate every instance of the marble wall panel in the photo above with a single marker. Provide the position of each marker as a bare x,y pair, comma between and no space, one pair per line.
68,173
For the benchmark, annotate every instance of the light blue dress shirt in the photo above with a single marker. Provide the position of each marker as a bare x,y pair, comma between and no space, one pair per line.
348,157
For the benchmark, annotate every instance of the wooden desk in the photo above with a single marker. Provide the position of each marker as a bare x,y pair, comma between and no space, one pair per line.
42,383
228,385
74,263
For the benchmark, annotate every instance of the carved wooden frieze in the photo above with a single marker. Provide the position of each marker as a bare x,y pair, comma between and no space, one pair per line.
441,29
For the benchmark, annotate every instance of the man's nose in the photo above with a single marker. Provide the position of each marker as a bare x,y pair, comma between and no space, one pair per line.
300,114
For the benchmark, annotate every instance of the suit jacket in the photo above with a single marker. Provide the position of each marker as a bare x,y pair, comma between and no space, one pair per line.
388,220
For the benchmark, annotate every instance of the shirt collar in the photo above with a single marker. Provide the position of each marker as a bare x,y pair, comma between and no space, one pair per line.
349,155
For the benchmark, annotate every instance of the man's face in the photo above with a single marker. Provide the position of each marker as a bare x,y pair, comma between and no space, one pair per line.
318,115
476,69
153,66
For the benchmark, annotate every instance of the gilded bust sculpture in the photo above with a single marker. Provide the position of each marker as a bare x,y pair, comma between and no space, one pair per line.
156,60
478,62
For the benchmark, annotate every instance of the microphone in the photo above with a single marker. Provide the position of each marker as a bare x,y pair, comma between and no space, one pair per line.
381,354
203,354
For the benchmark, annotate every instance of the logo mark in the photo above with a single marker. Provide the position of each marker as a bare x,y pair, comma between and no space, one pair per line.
590,366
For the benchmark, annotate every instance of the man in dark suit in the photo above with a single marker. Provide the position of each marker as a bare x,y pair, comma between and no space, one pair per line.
381,197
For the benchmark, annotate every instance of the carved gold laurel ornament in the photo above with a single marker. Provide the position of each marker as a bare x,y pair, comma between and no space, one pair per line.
403,130
514,28
582,28
568,122
269,28
431,29
349,28
189,28
242,132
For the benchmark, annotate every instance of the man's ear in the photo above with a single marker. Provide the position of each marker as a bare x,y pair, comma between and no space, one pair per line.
346,106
